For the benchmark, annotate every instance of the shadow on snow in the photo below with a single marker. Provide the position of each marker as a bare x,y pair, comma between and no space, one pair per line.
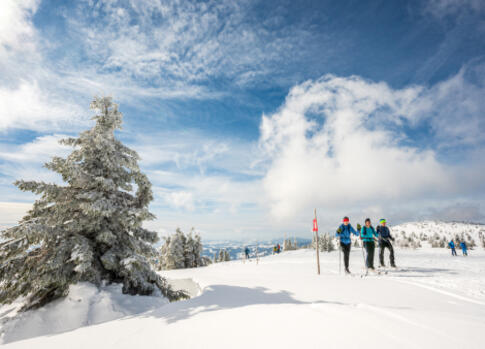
220,297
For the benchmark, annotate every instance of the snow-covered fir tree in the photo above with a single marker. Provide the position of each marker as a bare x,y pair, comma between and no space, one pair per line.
199,259
326,243
174,251
89,229
330,244
189,254
287,245
223,256
323,242
182,251
227,256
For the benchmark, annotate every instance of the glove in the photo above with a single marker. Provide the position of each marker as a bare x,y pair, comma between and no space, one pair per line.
339,230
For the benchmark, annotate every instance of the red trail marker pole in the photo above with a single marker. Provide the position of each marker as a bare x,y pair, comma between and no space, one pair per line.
315,229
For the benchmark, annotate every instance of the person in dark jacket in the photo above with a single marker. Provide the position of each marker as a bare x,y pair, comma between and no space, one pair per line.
464,248
451,244
368,235
385,239
246,252
343,233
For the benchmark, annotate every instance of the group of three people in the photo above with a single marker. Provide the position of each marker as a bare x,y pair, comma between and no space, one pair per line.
368,235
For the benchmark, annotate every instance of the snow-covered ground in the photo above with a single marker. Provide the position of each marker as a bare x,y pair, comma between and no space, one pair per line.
435,301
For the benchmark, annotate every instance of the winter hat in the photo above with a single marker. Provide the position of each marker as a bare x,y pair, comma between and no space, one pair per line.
382,220
346,219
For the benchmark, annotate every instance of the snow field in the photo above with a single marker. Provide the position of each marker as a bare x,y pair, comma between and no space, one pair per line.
436,301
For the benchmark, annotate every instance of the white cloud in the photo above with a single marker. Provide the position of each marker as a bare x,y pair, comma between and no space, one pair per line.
16,29
185,43
29,107
441,8
336,143
181,199
40,149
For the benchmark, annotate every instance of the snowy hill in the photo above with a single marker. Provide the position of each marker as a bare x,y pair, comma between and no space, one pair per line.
434,301
427,231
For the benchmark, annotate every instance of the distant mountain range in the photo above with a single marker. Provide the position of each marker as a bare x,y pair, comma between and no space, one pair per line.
236,248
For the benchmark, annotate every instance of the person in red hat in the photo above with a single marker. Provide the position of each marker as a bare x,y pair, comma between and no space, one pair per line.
343,233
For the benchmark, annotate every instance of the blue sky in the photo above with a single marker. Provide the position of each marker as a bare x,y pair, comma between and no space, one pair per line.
248,114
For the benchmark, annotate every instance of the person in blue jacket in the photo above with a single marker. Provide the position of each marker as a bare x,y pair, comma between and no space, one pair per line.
464,248
246,251
368,235
385,239
451,244
343,233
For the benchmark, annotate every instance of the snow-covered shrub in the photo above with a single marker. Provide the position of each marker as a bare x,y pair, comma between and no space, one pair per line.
89,229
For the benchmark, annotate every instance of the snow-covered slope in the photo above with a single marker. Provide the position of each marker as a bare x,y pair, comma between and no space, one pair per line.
424,231
448,229
435,301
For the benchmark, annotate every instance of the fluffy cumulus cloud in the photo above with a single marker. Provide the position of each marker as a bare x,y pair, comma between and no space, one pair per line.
181,199
16,29
28,107
346,144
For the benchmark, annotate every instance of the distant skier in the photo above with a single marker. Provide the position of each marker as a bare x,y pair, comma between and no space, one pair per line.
368,235
278,248
451,244
464,248
246,252
385,239
343,233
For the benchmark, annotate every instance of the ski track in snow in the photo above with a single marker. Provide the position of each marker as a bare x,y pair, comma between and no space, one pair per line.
435,301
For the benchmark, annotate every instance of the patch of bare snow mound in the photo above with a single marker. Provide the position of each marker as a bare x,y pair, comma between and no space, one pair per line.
85,305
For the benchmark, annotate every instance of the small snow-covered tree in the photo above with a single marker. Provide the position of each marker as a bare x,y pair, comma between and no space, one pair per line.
286,245
200,261
330,244
227,256
189,255
323,242
174,251
164,253
183,251
89,229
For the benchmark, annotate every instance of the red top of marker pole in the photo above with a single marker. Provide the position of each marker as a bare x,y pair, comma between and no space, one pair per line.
315,225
